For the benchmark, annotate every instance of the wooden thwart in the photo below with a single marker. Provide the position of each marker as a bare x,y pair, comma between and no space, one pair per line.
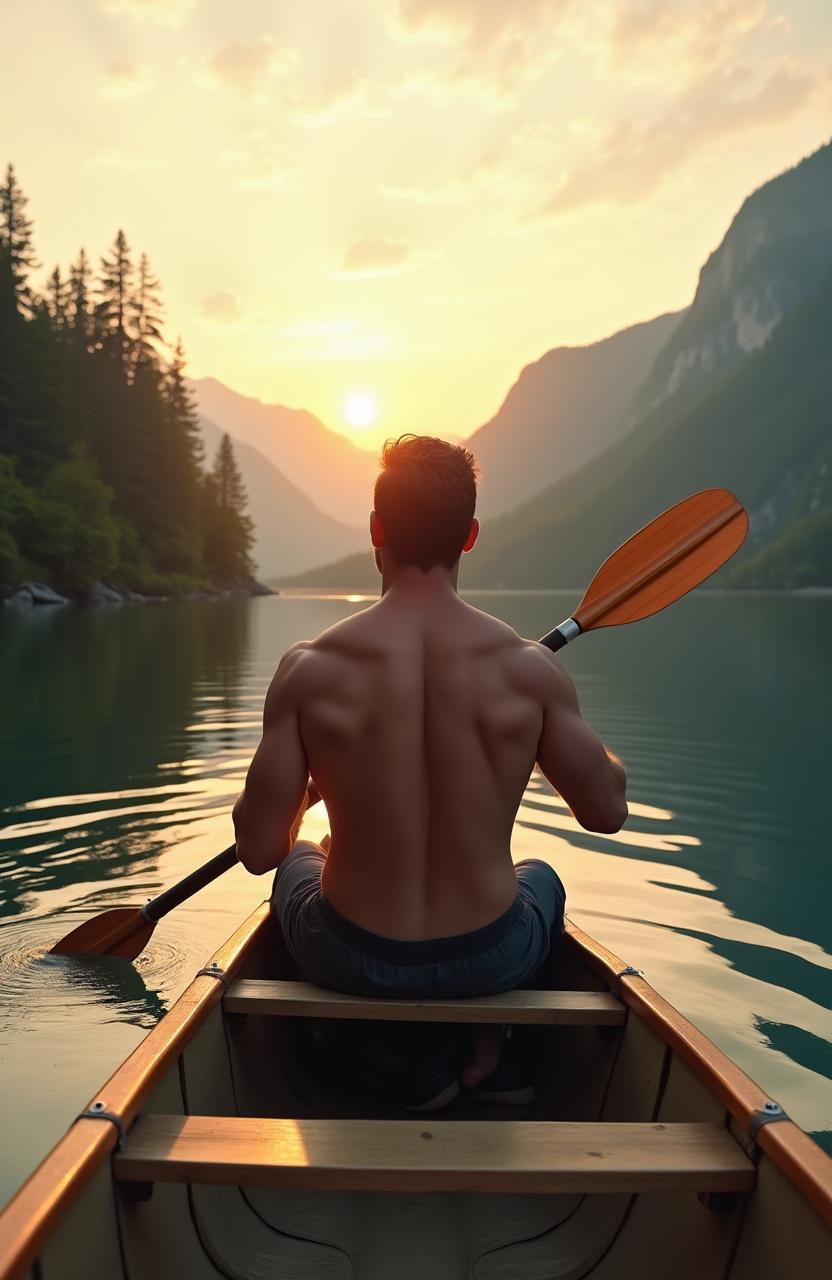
304,1000
405,1155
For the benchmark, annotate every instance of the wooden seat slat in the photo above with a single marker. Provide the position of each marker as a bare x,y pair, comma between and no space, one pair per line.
451,1155
305,1000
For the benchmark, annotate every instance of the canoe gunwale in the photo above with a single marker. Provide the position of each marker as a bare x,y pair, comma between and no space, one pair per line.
35,1210
788,1146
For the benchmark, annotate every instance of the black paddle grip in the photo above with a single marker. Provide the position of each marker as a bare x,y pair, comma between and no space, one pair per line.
158,907
554,640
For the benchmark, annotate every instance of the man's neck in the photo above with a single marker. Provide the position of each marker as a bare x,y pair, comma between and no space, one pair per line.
409,582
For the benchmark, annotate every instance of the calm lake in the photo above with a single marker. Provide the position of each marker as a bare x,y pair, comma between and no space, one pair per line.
126,733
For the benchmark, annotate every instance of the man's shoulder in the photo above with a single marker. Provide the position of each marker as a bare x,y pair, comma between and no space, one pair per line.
307,661
485,627
290,675
543,674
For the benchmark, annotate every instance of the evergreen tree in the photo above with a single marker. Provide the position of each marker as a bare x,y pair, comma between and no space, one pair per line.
231,493
114,305
144,310
79,302
79,322
100,452
17,259
57,298
186,454
227,529
44,418
16,249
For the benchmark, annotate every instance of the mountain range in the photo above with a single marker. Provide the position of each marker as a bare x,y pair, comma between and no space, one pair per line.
562,411
738,394
336,474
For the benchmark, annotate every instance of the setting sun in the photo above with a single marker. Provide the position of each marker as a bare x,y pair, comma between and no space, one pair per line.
360,410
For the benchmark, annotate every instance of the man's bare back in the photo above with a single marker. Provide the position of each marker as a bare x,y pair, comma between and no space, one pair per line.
420,720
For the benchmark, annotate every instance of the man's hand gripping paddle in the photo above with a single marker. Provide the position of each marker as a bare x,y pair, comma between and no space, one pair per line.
663,561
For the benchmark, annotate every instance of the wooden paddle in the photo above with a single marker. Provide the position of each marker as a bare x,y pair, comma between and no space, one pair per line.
663,561
126,931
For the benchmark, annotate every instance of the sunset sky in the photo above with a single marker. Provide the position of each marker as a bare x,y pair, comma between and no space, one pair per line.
388,207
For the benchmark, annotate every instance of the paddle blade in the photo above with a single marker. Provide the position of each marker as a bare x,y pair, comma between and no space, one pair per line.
664,560
120,932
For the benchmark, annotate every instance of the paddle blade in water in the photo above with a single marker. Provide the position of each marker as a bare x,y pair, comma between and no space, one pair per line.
664,560
120,932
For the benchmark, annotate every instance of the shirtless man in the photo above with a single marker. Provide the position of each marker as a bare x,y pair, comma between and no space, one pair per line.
419,720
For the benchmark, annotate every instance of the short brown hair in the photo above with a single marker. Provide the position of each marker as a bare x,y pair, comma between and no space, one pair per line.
425,497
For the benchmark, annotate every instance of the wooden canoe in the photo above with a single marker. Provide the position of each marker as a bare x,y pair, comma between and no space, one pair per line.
211,1152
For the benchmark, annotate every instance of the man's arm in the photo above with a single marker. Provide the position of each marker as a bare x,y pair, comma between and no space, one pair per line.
590,778
269,812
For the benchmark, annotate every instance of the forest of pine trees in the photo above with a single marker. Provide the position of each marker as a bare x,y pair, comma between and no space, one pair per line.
102,477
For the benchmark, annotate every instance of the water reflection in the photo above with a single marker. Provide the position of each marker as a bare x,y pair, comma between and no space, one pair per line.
97,704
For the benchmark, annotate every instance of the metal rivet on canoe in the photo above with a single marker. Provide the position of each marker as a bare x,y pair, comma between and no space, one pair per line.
98,1111
213,970
769,1112
629,972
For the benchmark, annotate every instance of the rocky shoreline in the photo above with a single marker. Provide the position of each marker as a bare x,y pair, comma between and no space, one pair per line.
28,595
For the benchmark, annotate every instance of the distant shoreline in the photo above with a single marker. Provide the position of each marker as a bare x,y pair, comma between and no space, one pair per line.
22,600
38,595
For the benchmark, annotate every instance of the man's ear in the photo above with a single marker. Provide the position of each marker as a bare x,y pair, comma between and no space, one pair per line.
376,530
472,535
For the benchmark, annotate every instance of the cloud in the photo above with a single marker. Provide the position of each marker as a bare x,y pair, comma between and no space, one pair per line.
263,162
502,42
669,39
168,13
481,24
451,188
221,308
123,79
373,257
246,67
632,158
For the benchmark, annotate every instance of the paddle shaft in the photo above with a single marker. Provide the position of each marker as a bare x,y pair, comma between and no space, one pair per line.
153,910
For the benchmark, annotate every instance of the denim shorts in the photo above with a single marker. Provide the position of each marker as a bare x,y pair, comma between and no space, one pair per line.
333,952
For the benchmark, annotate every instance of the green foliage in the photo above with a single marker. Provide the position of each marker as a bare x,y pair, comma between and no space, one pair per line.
801,557
70,530
16,503
100,458
11,565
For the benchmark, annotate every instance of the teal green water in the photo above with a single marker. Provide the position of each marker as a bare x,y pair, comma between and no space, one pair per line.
125,736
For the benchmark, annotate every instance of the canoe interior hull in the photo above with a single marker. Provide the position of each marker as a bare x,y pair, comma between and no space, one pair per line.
241,1064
